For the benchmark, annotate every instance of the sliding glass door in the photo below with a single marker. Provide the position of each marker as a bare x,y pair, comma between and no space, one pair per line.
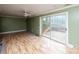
55,27
46,26
59,27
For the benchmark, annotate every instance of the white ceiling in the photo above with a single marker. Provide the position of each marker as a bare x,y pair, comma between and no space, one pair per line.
33,9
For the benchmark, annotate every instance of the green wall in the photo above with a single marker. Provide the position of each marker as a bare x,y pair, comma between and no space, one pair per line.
73,17
12,24
73,24
33,25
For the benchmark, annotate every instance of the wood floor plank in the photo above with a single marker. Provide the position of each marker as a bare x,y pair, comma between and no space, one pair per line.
27,43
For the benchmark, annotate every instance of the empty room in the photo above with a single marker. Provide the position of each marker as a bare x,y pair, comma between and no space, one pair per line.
39,28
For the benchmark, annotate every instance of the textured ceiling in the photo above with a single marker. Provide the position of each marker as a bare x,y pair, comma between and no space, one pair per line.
33,9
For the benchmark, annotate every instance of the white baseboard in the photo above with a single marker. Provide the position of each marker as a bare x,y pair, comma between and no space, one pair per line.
13,31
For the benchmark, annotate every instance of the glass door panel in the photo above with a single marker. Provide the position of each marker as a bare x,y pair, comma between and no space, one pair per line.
59,28
46,26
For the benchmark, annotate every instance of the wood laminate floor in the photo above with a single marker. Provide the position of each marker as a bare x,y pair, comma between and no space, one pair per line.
27,43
